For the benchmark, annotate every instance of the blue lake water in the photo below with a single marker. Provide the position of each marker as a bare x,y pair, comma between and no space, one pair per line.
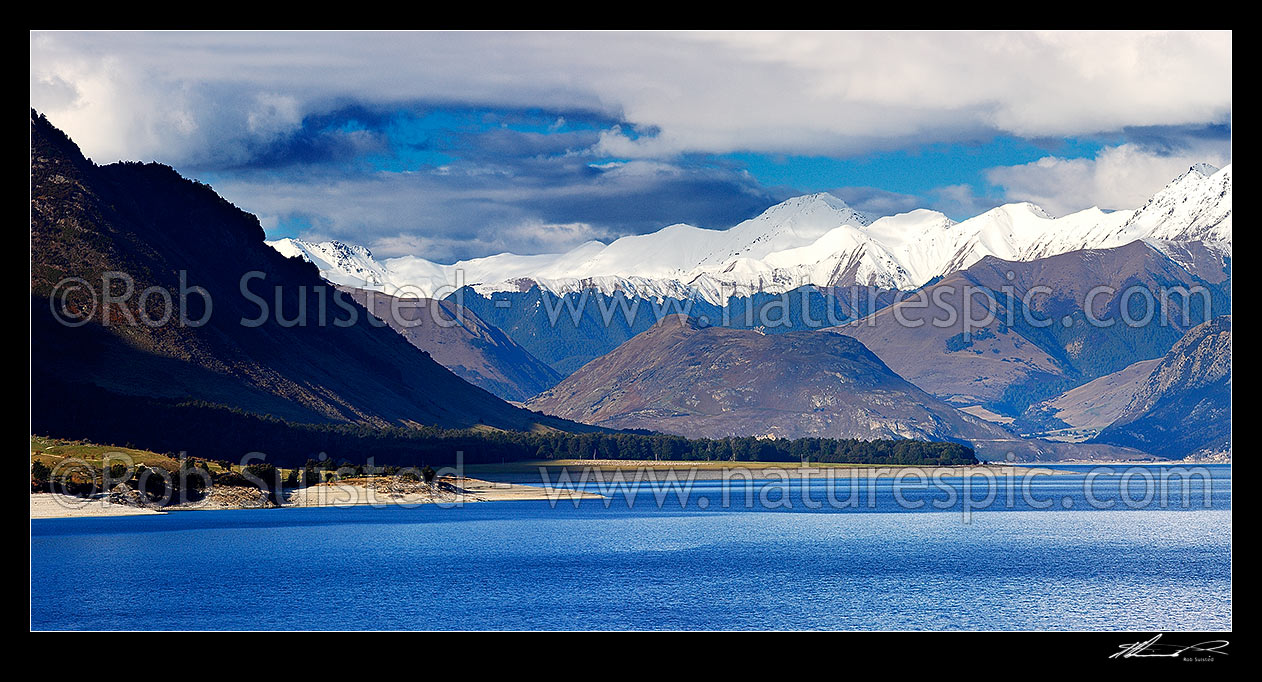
793,559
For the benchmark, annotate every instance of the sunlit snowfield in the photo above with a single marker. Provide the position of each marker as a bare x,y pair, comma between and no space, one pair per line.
530,565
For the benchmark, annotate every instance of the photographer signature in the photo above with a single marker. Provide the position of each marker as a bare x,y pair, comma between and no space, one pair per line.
1153,649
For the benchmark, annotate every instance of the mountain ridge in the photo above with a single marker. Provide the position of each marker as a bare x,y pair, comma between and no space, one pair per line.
815,239
683,376
1040,337
164,232
1183,408
458,339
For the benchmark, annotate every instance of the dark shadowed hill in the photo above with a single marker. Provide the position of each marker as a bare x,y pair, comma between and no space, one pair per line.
334,363
684,378
1184,406
462,342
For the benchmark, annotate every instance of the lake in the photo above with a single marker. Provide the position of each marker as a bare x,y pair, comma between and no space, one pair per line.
793,559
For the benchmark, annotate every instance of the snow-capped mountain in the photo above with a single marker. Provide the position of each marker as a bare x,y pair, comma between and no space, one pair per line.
809,240
1195,206
339,262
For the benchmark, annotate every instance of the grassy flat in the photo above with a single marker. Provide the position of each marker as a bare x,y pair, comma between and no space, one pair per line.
52,451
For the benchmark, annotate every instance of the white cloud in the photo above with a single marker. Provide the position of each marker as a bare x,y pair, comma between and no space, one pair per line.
875,202
536,236
960,201
197,96
1121,177
527,237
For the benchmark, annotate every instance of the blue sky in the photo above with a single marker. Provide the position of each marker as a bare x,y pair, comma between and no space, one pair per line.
457,145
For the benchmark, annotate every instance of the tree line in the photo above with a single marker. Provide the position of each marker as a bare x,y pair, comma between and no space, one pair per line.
218,433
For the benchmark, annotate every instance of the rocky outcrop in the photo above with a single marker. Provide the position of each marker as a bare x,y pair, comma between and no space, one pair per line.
129,497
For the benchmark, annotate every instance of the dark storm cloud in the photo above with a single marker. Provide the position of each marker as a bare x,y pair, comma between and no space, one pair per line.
312,146
404,135
1172,140
449,182
502,143
635,205
528,203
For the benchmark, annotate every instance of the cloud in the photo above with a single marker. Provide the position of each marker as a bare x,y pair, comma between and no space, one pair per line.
1170,140
455,145
1119,177
960,202
529,236
876,202
199,96
466,210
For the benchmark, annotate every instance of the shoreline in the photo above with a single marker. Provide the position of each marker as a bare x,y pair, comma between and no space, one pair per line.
58,506
353,493
457,491
361,492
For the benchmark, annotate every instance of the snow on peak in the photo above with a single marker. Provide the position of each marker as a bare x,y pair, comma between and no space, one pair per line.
1204,169
1019,210
1196,206
819,198
816,209
789,224
816,239
338,262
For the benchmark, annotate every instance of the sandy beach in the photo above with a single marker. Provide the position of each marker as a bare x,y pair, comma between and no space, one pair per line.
383,491
55,506
349,493
450,492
